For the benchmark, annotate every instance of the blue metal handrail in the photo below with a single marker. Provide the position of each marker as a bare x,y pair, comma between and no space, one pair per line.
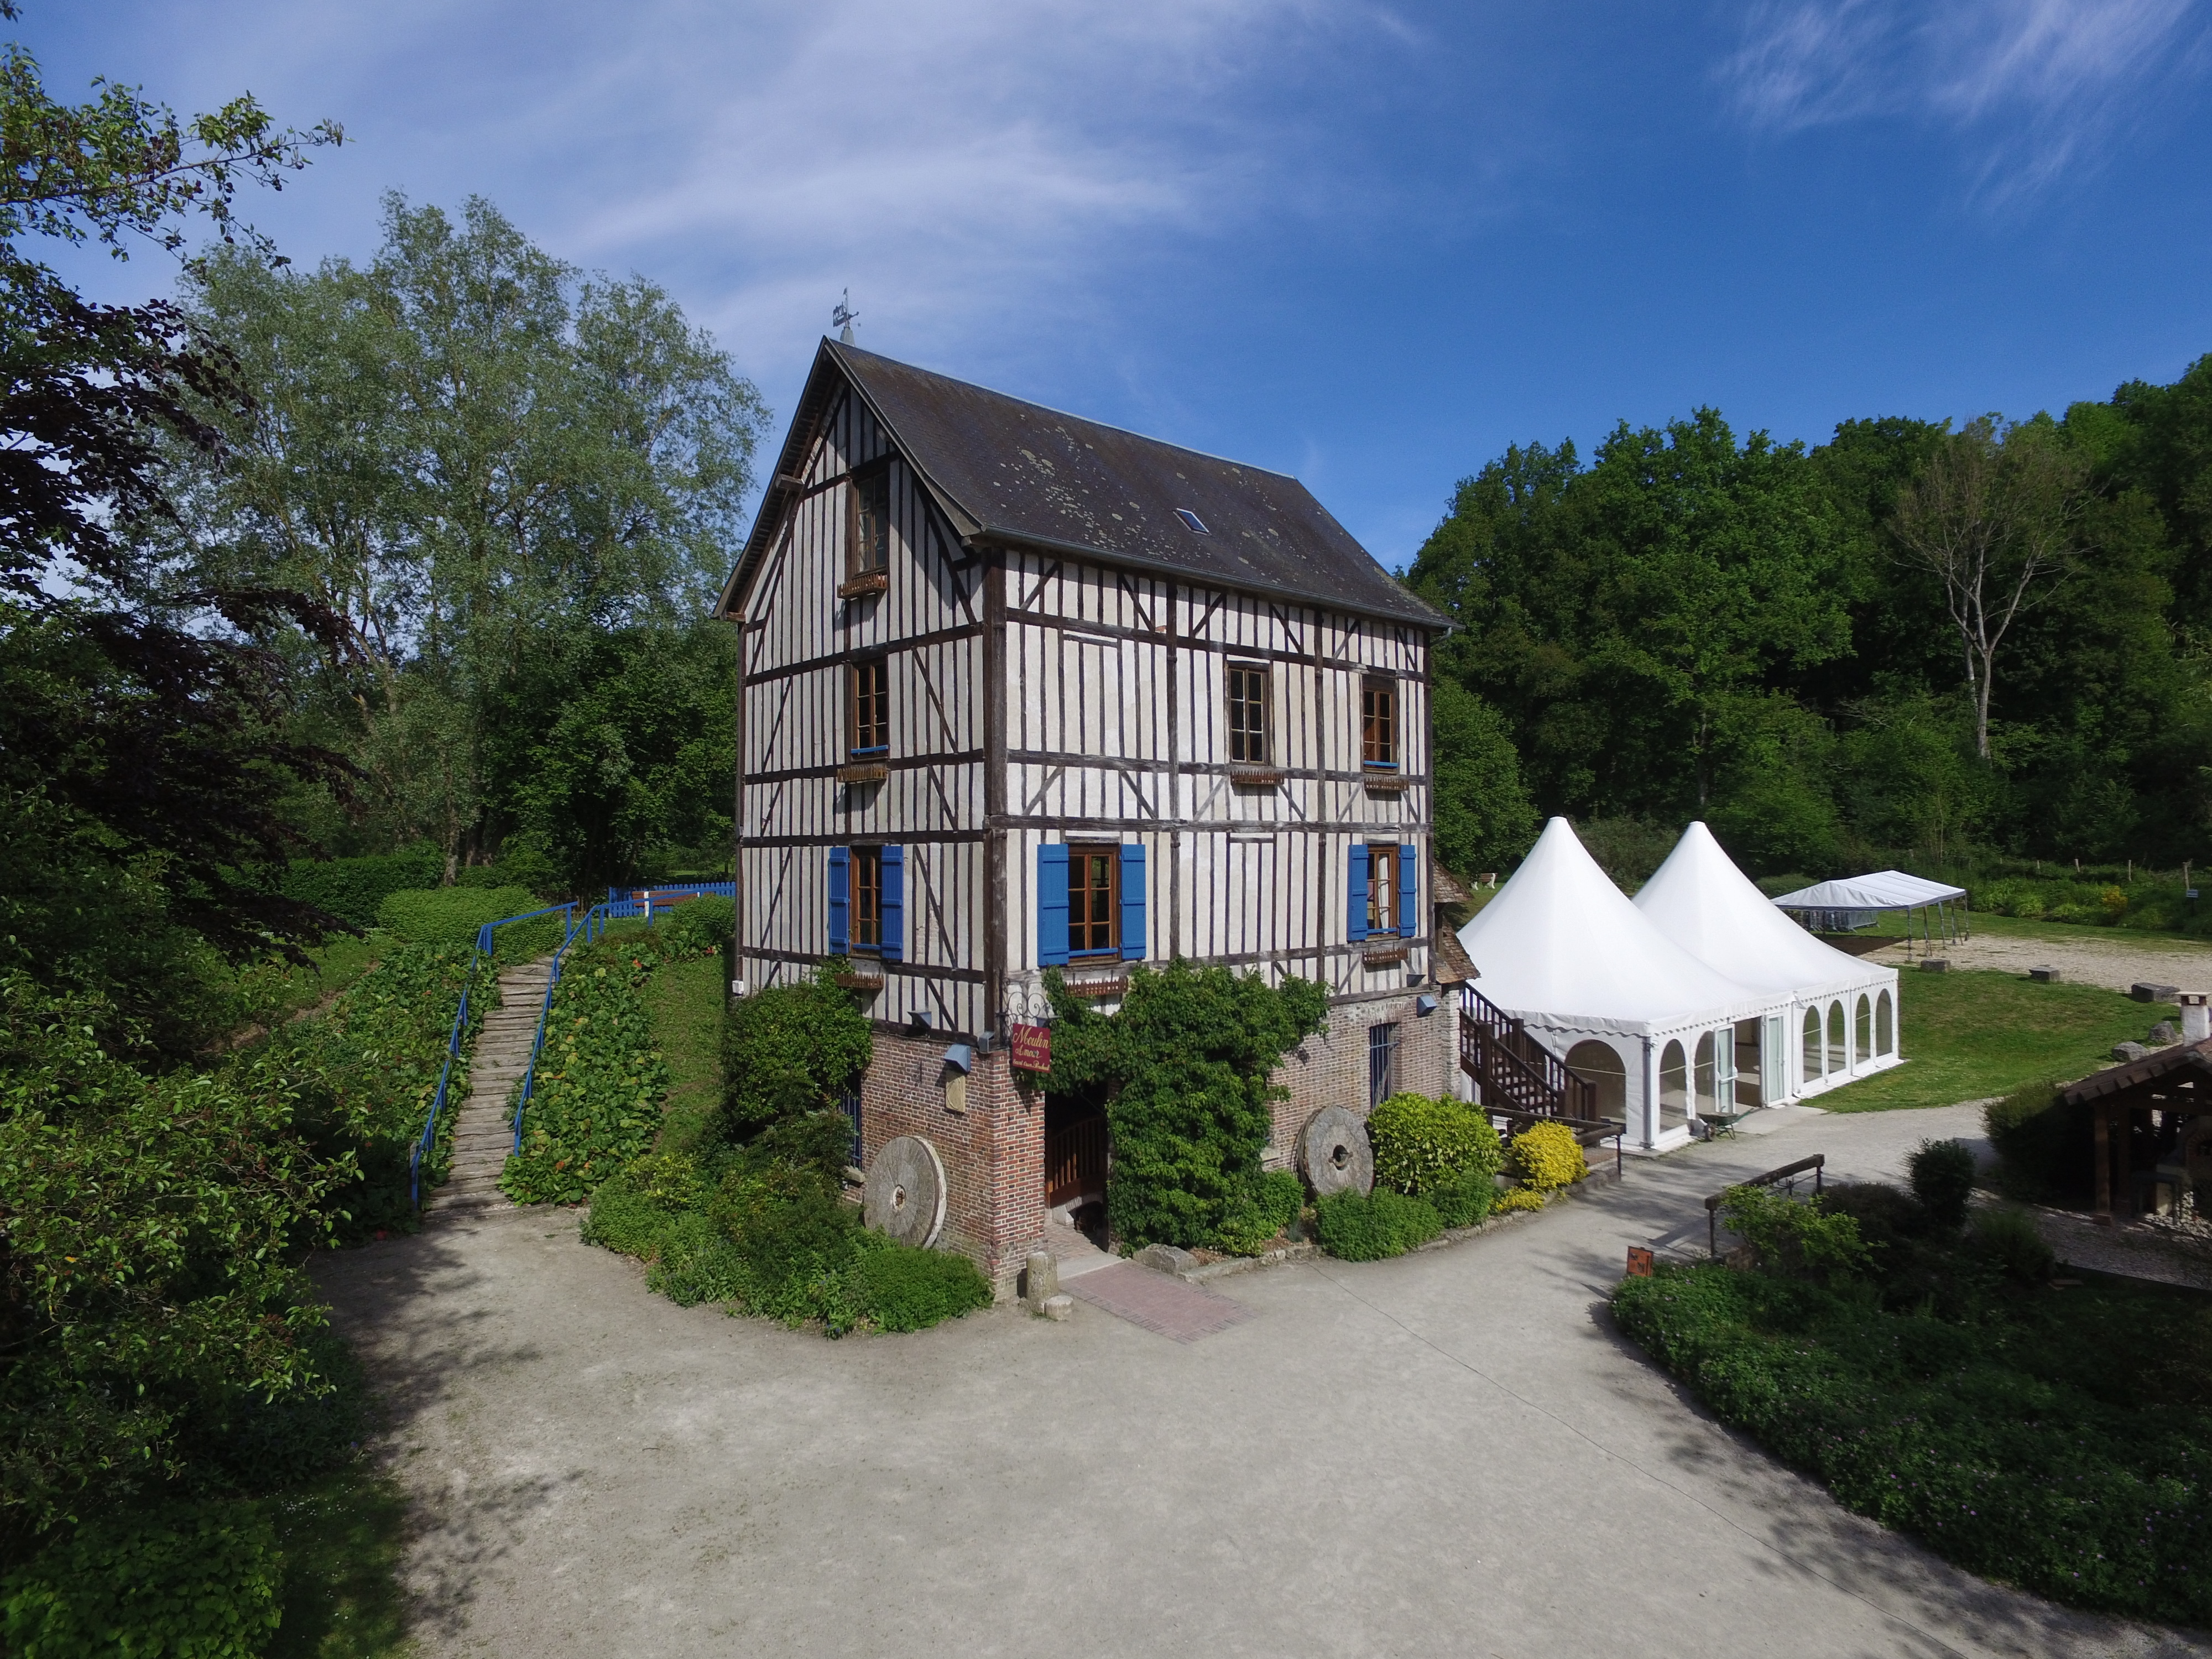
427,1142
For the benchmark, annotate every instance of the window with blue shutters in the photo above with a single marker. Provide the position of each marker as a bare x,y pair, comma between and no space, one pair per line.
1409,889
841,930
1133,902
1355,894
1052,906
893,901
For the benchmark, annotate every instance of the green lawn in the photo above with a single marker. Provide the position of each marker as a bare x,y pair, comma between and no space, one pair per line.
1968,1035
686,998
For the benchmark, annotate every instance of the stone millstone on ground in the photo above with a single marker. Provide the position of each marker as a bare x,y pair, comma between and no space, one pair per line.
485,1135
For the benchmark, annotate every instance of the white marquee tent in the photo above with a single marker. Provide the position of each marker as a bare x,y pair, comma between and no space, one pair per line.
1562,949
1852,902
1841,1020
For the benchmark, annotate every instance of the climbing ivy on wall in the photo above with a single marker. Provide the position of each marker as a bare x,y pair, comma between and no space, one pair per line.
1185,1064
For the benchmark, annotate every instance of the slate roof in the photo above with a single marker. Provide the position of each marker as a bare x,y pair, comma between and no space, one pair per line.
1011,471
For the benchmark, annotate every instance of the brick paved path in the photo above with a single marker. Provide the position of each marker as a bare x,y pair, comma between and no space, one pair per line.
1158,1301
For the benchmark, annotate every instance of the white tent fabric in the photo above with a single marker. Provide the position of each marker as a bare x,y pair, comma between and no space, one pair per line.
1562,949
1699,900
1885,890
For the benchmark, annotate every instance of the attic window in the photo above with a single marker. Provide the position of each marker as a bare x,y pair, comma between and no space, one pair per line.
1193,521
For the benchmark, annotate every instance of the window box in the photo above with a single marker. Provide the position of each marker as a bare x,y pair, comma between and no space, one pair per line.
1387,956
860,586
868,982
1112,986
1254,777
863,772
1385,783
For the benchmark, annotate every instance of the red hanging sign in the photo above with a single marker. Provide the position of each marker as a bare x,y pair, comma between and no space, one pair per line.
1032,1048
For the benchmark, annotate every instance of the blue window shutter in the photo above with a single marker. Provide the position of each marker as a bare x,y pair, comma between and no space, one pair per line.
1133,902
1409,889
1355,894
1052,906
841,901
894,929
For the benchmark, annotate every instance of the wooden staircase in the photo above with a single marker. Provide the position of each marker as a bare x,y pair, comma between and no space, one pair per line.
1518,1079
485,1135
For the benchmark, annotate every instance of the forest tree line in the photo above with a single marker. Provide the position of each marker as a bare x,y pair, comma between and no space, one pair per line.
1920,644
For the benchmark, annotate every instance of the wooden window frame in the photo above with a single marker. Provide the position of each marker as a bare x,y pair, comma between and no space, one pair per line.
1237,677
1383,917
864,901
1079,853
1379,737
877,668
870,557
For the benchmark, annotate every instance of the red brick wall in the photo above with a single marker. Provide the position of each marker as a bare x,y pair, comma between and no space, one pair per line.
1331,1069
993,1152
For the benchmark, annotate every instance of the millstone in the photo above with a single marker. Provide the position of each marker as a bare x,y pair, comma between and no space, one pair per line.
1334,1153
905,1196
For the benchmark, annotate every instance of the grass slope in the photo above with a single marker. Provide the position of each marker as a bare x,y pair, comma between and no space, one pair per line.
686,1000
1968,1035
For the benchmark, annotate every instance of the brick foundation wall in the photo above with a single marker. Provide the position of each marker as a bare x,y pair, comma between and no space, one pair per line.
1331,1069
993,1152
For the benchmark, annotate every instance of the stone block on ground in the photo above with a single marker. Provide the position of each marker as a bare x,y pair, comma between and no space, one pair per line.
1058,1306
2145,990
2125,1052
1165,1259
2163,1033
2044,976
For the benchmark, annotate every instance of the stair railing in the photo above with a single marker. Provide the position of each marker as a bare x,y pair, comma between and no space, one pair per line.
426,1143
1497,1050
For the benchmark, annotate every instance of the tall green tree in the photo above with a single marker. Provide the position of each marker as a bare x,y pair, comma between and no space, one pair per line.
481,456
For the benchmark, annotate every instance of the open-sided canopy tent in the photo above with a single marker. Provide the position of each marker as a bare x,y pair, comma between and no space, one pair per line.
1852,902
1561,949
1701,901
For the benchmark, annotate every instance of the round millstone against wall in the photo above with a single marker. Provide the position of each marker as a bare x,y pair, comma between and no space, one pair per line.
904,1198
1334,1153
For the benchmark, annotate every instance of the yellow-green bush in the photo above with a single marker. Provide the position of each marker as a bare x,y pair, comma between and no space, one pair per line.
1419,1141
1517,1199
1547,1156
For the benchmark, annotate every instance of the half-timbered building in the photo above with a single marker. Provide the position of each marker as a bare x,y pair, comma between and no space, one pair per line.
1021,692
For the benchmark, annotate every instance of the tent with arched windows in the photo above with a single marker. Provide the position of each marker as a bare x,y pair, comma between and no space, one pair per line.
1841,1021
1562,950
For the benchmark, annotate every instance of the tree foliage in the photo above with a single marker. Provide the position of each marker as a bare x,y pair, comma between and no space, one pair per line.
1186,1063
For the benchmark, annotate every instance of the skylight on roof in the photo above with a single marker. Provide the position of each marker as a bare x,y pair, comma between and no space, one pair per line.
1193,521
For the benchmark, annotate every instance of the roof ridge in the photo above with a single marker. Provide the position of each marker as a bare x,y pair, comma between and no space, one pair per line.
841,348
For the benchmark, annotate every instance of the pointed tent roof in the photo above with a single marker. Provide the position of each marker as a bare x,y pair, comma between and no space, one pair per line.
1561,946
1703,903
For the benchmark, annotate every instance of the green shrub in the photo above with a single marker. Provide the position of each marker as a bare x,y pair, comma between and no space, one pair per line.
788,1050
1547,1156
2044,1147
1796,1237
1517,1199
1417,1141
2060,1444
454,915
1367,1227
1885,1215
1271,1203
903,1289
2008,1239
1463,1197
353,888
201,1583
699,926
1942,1175
595,1102
1185,1069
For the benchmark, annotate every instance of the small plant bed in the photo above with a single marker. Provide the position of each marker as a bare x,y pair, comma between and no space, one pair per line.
1437,1164
742,1203
1970,1036
2055,1435
763,1228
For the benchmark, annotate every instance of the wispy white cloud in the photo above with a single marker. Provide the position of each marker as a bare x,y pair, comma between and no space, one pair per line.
2038,84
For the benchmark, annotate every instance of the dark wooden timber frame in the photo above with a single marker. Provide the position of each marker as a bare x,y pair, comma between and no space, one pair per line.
2156,1097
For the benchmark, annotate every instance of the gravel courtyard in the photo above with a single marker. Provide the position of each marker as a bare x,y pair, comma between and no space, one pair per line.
1450,1453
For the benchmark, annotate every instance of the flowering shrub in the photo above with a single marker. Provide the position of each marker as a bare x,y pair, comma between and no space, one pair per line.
1418,1141
1547,1156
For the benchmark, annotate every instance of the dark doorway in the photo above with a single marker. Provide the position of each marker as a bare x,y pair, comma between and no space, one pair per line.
1075,1154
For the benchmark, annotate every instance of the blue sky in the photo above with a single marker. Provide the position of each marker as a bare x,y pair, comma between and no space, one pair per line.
1369,244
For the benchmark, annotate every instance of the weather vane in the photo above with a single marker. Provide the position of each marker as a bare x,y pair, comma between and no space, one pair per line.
844,316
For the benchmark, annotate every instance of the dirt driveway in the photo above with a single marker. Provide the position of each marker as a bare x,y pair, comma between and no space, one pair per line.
1449,1454
2104,957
